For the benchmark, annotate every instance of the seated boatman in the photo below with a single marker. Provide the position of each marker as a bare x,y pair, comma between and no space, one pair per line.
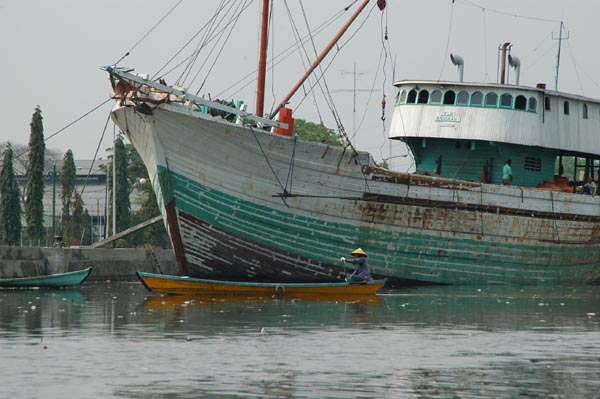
362,272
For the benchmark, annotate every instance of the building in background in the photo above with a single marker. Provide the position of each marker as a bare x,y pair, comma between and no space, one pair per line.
93,186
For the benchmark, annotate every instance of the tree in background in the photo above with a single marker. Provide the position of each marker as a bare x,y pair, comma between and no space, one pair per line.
312,132
140,189
156,234
20,151
68,178
123,210
10,215
74,230
34,207
86,228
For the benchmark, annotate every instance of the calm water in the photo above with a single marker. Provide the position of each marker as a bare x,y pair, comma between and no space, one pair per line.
118,341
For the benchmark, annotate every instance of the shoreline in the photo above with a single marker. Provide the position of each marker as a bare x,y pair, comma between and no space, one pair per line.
119,264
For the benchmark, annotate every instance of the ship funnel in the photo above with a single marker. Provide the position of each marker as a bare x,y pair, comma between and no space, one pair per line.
515,63
502,62
458,61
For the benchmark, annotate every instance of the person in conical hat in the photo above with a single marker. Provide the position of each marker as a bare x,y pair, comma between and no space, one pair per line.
362,272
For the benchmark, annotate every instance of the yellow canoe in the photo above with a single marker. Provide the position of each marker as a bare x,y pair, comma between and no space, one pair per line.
187,285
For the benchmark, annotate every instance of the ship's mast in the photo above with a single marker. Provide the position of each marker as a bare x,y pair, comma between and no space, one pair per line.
262,60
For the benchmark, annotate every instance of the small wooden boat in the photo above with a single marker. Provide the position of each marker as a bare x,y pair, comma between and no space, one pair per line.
186,285
48,281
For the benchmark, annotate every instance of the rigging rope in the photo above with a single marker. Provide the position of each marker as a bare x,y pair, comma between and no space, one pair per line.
150,31
222,47
290,175
470,3
484,44
576,69
77,120
329,99
300,44
283,55
384,38
333,57
203,42
447,41
80,196
17,156
217,44
283,190
205,26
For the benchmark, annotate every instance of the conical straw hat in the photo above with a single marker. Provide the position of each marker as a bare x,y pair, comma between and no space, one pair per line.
359,252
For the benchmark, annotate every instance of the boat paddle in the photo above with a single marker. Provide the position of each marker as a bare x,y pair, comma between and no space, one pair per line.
345,268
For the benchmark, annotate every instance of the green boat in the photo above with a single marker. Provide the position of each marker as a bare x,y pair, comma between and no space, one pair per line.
48,281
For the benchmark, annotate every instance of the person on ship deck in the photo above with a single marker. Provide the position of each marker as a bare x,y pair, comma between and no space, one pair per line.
507,173
589,188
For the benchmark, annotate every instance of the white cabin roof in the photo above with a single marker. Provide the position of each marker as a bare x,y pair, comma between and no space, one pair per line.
521,115
495,86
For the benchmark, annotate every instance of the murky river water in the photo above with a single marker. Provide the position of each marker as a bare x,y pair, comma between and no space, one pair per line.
115,340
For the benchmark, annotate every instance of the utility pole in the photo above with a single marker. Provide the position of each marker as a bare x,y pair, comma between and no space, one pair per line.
114,185
105,220
54,201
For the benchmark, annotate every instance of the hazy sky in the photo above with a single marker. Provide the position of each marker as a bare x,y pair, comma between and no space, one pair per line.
52,51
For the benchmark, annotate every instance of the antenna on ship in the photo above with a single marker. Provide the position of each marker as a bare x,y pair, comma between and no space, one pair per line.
560,39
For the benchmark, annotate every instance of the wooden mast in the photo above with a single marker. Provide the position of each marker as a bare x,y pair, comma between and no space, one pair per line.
262,60
320,58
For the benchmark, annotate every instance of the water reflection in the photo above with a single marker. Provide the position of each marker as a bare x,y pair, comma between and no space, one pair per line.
235,315
492,308
420,342
32,311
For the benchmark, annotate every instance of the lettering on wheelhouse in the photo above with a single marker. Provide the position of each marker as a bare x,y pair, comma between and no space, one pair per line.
448,116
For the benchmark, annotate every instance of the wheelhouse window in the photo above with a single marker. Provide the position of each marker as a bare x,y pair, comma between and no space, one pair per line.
462,98
491,100
566,108
547,103
436,97
506,100
412,97
449,97
533,164
585,111
401,97
477,99
520,102
532,105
